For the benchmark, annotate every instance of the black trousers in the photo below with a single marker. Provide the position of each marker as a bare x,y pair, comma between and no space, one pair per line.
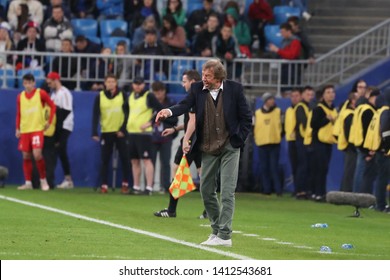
322,153
293,156
63,151
107,142
350,157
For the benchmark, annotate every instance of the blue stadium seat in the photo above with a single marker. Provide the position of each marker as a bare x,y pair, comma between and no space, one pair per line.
111,42
178,67
282,13
87,27
95,39
176,89
107,26
272,35
9,78
39,76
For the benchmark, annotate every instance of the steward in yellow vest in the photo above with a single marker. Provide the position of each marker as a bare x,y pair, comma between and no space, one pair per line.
268,135
111,111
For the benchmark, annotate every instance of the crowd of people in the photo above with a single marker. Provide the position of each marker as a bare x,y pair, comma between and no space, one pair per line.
221,29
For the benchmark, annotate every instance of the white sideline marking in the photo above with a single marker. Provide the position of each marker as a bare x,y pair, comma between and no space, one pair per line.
147,233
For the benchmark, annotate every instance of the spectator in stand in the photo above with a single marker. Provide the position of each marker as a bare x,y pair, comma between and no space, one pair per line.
55,29
35,11
66,66
32,43
202,45
63,99
307,47
163,145
130,9
323,118
173,35
139,33
30,125
343,144
222,5
142,104
151,46
111,110
85,46
6,44
83,8
175,8
100,70
291,50
110,9
54,3
268,135
19,22
225,47
260,14
148,8
301,4
122,67
289,129
240,30
198,19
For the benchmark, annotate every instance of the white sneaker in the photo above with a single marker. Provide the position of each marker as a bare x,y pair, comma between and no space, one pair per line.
216,241
66,184
44,185
25,187
211,237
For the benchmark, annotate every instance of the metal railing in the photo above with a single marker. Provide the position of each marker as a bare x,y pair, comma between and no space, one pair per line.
84,71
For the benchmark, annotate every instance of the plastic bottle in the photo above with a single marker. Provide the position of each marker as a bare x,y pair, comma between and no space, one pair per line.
319,225
325,249
347,246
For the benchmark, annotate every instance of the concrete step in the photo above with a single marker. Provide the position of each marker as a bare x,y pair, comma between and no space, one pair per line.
348,4
381,11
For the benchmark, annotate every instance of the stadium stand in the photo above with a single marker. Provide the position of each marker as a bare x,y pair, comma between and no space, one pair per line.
282,13
108,26
86,27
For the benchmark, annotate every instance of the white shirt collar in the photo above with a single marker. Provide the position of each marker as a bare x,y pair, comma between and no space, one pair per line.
214,92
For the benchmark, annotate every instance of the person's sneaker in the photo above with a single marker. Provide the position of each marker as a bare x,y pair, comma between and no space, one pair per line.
216,241
211,237
148,191
66,184
44,185
125,189
25,187
104,189
165,214
203,215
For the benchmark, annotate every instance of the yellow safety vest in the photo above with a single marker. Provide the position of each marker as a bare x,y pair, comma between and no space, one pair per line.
290,123
338,126
140,113
302,129
268,127
52,127
356,134
325,133
309,131
32,118
342,141
373,137
111,112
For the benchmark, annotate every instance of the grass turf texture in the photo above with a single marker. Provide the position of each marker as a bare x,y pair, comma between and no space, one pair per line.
268,227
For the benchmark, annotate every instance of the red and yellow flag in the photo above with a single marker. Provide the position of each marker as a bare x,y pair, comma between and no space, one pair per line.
182,183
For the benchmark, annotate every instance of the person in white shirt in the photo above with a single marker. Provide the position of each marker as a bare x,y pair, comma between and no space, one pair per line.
63,99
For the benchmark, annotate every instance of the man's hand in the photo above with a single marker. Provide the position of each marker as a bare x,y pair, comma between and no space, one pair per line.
120,134
162,115
47,125
168,131
17,133
273,48
186,146
96,138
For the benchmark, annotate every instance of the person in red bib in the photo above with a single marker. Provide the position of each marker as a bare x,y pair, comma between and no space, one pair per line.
30,125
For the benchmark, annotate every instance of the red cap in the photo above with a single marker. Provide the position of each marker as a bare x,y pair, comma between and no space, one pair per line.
53,76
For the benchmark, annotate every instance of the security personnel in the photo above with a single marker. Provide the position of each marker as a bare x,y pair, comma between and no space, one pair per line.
141,105
323,117
268,135
365,167
373,142
302,112
110,108
344,122
289,128
49,149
